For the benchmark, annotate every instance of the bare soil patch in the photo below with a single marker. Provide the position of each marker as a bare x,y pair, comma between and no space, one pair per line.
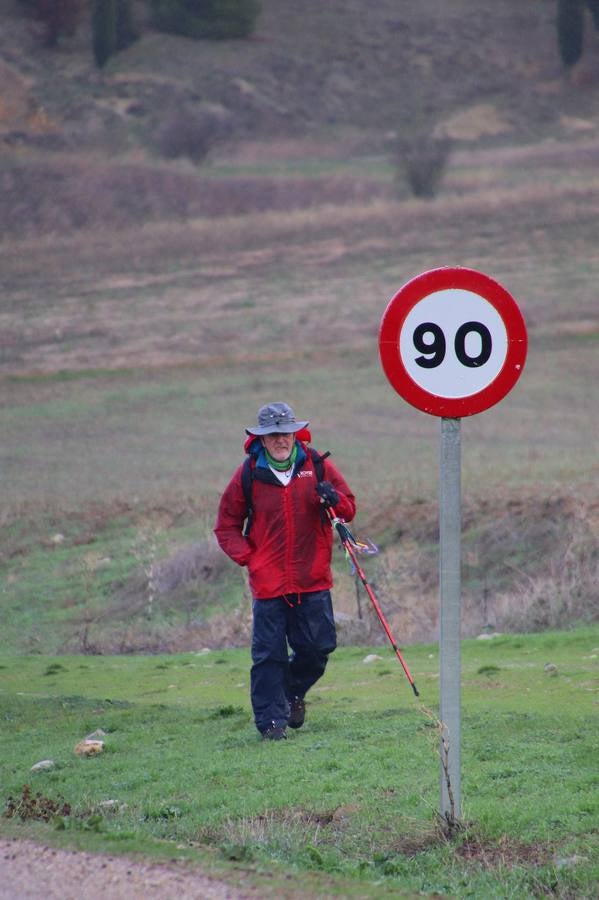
504,853
31,871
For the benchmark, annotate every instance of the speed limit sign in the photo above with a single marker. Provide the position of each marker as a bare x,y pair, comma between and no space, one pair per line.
452,342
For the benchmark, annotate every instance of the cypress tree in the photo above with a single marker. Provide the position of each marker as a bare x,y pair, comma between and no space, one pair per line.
112,28
593,5
104,30
570,30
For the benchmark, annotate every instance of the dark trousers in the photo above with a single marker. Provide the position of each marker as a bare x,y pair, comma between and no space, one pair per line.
307,628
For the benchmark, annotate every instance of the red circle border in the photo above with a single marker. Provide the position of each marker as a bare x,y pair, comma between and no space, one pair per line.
417,289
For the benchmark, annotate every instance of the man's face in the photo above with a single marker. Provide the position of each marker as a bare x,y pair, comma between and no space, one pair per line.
279,445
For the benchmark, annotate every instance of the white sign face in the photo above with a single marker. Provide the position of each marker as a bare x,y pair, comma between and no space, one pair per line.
453,343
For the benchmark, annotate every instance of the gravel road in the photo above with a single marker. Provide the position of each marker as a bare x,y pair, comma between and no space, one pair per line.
30,870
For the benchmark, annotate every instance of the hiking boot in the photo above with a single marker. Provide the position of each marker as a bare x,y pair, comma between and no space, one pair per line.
274,732
297,712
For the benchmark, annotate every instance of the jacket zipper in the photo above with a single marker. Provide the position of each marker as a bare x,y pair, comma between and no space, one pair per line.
289,531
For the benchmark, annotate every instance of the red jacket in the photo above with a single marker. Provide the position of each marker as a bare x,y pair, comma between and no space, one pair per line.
288,549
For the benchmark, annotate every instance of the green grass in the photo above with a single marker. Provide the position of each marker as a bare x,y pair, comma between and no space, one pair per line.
352,796
85,587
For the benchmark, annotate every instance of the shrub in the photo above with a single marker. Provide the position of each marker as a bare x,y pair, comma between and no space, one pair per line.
59,17
213,19
423,163
186,134
30,806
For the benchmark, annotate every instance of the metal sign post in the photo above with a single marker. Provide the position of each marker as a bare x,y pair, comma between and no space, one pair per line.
452,343
450,530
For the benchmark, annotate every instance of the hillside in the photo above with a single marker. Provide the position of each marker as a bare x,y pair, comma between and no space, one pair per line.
342,80
311,68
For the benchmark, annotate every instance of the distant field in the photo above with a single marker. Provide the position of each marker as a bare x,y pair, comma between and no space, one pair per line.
131,362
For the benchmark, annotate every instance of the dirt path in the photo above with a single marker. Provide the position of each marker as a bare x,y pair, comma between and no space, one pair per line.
30,870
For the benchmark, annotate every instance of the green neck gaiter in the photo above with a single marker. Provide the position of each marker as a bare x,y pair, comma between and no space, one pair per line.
285,464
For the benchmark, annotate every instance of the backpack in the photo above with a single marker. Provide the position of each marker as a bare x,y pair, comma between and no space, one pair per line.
247,477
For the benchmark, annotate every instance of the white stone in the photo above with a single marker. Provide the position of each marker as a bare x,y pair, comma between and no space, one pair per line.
567,862
43,765
112,805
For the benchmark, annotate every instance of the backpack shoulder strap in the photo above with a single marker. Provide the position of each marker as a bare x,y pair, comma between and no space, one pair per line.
318,461
247,476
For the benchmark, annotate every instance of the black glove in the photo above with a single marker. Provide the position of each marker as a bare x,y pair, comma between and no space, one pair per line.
327,493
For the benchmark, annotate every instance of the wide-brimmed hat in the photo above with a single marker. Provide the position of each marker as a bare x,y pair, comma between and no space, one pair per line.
276,418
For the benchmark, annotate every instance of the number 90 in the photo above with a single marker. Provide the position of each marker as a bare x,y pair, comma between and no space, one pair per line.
433,350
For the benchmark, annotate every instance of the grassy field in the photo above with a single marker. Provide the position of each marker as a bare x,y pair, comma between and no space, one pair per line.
346,806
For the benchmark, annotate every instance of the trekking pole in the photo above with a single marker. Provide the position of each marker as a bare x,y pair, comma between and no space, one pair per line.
351,546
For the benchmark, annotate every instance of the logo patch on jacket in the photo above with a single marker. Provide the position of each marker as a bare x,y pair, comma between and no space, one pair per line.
304,474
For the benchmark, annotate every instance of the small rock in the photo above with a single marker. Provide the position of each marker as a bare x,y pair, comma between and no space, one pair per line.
112,805
345,812
550,669
566,862
89,748
488,636
57,538
43,765
371,658
96,735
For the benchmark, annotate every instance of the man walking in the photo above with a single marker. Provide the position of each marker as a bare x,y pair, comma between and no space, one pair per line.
281,492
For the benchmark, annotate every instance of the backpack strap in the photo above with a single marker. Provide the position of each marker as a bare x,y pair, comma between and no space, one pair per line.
247,478
318,461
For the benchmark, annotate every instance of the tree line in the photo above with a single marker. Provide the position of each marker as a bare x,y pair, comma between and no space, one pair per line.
113,27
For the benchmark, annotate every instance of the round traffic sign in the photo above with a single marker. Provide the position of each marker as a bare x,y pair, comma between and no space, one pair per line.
452,342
